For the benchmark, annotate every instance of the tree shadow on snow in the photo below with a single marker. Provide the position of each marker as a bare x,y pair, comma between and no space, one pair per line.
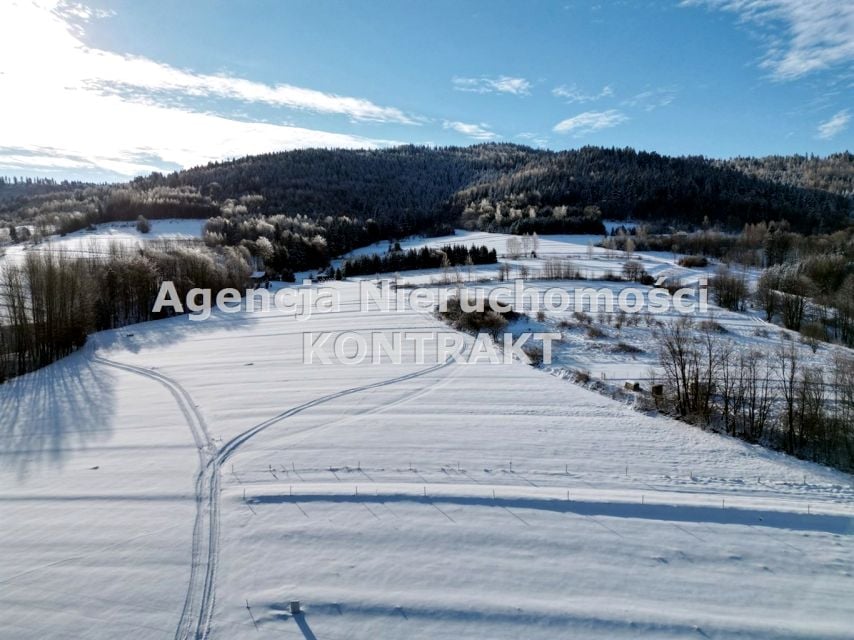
44,414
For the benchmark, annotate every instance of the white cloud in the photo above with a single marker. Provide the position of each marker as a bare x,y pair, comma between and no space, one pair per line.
501,84
77,102
590,122
801,36
533,138
651,99
573,94
82,12
475,131
834,126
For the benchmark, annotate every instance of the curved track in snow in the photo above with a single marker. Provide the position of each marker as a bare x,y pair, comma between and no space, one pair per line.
201,537
197,612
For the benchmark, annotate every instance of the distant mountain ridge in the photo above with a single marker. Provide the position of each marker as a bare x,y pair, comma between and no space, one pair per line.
410,189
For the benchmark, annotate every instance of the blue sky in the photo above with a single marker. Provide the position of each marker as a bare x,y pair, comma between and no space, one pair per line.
105,90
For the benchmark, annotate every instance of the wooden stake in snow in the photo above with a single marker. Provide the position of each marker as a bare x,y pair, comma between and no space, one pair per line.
249,609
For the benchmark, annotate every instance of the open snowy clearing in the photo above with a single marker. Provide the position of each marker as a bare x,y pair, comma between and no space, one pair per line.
180,479
85,242
603,357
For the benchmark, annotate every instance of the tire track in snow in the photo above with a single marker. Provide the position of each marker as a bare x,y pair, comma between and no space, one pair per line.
195,621
206,449
208,596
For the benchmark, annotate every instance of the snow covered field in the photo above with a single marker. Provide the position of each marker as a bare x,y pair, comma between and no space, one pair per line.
86,242
603,357
179,478
580,250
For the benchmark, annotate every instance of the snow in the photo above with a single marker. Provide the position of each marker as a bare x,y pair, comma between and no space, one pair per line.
600,357
86,242
180,475
580,250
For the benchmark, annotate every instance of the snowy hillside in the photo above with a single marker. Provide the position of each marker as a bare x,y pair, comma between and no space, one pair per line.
83,243
189,479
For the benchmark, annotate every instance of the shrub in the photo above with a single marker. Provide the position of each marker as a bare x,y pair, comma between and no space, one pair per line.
729,290
594,331
625,347
534,353
486,321
633,271
812,333
143,225
713,326
673,285
693,261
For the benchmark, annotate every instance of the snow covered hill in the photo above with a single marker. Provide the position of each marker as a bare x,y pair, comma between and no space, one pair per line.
189,479
84,243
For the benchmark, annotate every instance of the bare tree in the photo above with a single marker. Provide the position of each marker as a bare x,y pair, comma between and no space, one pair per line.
765,296
728,290
788,362
757,397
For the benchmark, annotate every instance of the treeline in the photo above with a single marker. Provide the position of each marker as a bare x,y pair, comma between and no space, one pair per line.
409,190
835,173
503,218
757,245
807,285
20,189
64,212
423,258
285,244
776,399
814,296
624,183
51,302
